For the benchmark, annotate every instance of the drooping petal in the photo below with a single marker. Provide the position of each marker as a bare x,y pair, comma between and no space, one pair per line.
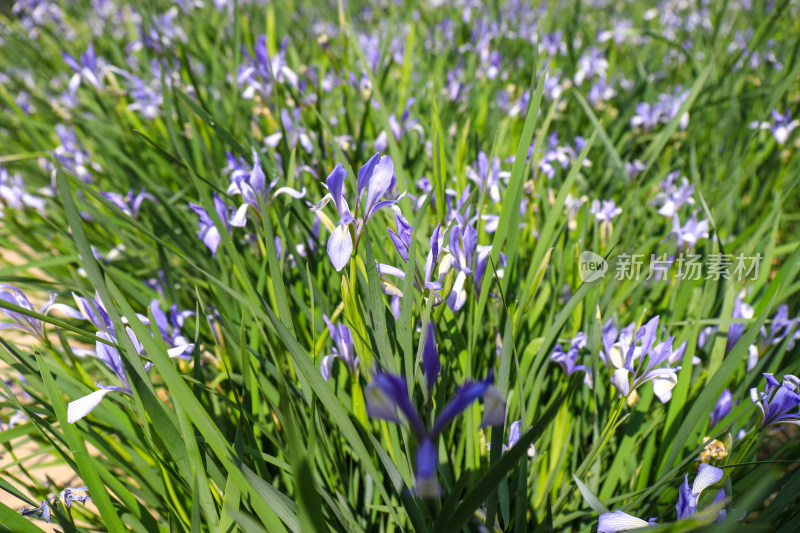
616,355
239,218
621,381
211,239
663,385
327,366
180,350
291,192
619,521
458,295
385,395
494,408
380,404
707,475
63,308
464,397
340,246
390,270
427,464
81,407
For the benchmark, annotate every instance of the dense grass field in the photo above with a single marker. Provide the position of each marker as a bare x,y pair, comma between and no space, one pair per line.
400,266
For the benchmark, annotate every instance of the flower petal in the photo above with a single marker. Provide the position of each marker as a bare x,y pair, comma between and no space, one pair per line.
621,381
430,357
365,173
707,475
494,408
81,407
379,183
327,366
239,218
427,465
340,246
618,521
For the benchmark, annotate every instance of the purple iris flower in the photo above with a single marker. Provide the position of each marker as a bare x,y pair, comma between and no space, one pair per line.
560,155
721,409
295,133
554,44
605,212
568,359
627,378
554,87
88,67
72,156
488,175
430,281
634,168
162,32
622,31
780,328
375,178
403,234
29,324
254,188
648,116
17,417
73,494
388,393
35,14
592,63
514,434
707,475
432,259
109,355
263,70
779,401
208,233
147,98
672,196
462,251
14,195
398,128
689,234
620,521
170,329
131,203
781,126
343,349
456,87
92,309
66,496
600,92
609,335
42,512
